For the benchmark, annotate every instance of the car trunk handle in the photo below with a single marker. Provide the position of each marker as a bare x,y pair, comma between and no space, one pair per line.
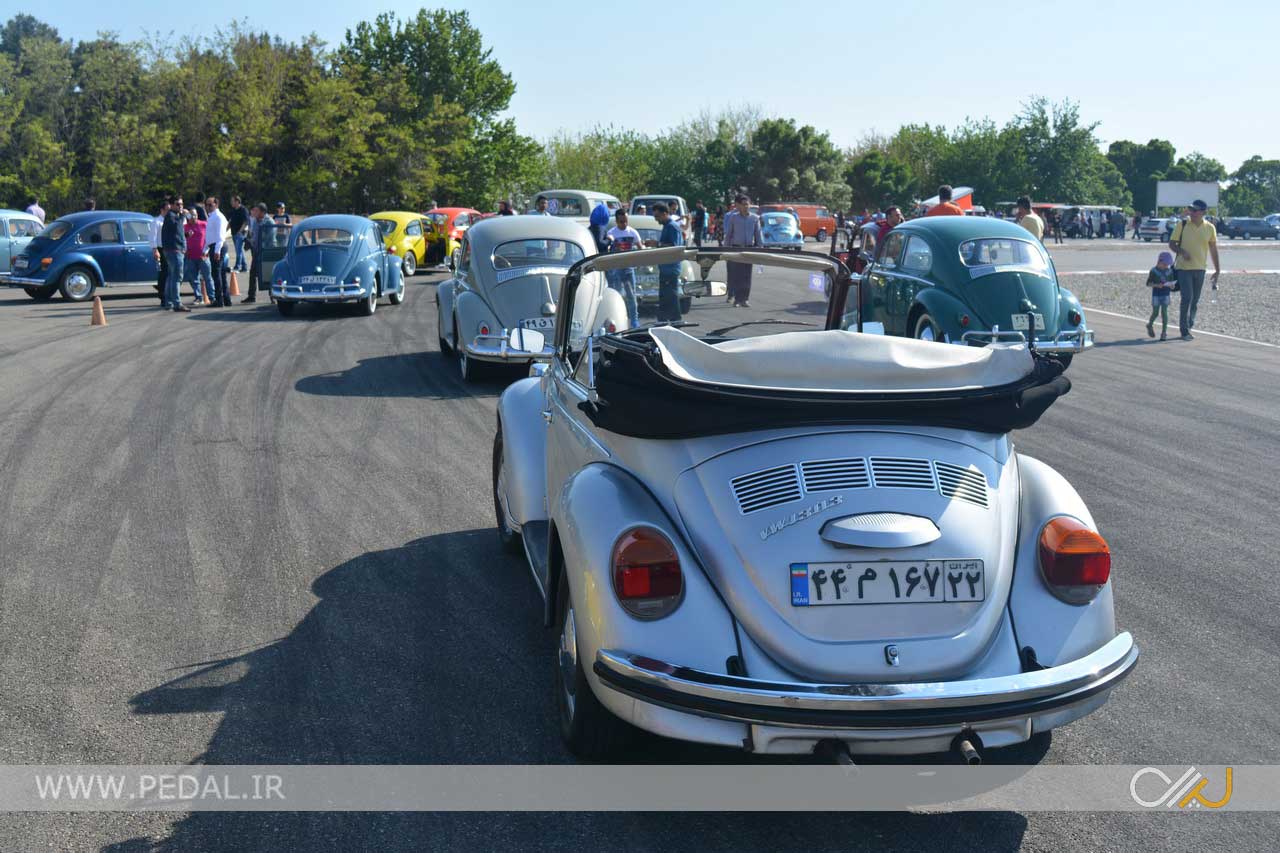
880,530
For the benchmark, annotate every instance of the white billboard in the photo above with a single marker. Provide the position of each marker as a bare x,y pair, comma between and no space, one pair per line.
1182,193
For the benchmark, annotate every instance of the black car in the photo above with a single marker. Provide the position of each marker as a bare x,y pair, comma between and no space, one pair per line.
1245,228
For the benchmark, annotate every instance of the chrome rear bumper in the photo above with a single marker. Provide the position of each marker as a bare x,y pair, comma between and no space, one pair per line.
331,293
1071,341
845,706
498,348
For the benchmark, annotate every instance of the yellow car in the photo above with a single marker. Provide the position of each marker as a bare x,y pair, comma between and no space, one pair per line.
407,235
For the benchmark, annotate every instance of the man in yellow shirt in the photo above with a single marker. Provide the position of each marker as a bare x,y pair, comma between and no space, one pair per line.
1029,219
1193,242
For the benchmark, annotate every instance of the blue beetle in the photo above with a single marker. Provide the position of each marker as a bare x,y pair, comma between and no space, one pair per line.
78,253
336,258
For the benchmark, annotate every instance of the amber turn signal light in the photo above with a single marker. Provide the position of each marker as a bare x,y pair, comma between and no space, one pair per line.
1074,560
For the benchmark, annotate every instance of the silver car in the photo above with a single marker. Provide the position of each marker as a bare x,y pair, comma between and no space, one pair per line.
755,530
506,276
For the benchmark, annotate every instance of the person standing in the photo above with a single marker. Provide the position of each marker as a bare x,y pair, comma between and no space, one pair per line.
1137,220
196,264
741,230
1161,280
90,203
1193,242
1029,219
281,218
945,207
668,274
623,238
504,208
699,223
892,218
599,224
238,222
256,218
162,263
216,247
173,242
34,208
540,206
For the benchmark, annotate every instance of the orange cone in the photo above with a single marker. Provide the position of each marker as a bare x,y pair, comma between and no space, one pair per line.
235,285
99,316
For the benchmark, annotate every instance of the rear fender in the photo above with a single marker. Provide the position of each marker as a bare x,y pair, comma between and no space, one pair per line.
598,504
444,302
73,259
524,447
944,308
469,312
1059,632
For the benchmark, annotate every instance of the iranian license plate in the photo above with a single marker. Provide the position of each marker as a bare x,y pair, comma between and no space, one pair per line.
317,279
1020,322
887,582
542,324
19,263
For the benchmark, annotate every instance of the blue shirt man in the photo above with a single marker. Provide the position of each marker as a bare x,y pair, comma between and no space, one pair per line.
668,274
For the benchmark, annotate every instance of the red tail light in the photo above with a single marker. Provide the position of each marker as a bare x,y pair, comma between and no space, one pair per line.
646,573
1074,560
1073,317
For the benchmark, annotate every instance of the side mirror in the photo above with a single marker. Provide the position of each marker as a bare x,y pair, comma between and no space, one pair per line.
526,340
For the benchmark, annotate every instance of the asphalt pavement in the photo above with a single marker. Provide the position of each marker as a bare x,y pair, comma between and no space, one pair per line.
233,538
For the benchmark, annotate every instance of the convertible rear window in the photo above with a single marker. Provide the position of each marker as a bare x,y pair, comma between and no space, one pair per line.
536,253
993,252
324,237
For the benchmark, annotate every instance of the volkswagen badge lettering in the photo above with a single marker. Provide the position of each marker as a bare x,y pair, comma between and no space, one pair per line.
800,515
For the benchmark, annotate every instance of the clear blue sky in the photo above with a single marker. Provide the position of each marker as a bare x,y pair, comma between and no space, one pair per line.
1197,74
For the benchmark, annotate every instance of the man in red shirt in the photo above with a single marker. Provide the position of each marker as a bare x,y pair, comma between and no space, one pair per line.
892,217
945,207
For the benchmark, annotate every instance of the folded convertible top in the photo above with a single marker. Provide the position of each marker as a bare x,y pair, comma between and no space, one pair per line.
641,395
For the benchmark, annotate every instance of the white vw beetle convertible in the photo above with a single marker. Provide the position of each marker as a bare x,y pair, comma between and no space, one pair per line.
758,530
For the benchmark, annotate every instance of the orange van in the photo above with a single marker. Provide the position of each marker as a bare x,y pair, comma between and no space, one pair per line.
815,220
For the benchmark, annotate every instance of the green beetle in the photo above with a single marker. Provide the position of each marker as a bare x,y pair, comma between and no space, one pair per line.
972,280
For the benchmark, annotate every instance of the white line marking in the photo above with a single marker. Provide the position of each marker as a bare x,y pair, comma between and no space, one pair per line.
1212,334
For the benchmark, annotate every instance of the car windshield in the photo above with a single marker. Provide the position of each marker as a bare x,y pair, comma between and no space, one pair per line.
523,254
324,237
648,203
774,296
386,226
56,230
985,255
559,205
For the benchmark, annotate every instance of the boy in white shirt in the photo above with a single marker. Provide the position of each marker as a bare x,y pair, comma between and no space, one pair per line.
623,238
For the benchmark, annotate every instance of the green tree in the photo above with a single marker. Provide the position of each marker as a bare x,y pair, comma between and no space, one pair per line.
1255,188
1141,166
921,147
790,163
876,179
1196,167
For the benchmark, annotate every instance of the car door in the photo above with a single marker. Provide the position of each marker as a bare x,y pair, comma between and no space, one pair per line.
6,251
913,275
891,283
139,260
101,241
413,231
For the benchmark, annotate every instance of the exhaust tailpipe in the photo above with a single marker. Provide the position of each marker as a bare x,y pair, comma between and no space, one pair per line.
835,751
968,746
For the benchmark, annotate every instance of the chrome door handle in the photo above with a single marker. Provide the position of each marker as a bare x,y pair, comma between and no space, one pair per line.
547,415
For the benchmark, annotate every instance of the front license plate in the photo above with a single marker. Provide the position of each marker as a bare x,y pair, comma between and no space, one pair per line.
1020,322
887,582
542,324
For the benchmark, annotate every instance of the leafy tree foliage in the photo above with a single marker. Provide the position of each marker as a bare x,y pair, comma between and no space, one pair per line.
877,180
1255,188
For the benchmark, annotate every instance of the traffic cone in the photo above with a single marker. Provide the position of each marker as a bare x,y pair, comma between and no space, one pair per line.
99,316
235,284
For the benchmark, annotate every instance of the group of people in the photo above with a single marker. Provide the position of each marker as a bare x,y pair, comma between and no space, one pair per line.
193,245
1182,270
622,237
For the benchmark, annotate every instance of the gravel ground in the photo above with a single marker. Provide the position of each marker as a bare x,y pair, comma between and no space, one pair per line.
1245,306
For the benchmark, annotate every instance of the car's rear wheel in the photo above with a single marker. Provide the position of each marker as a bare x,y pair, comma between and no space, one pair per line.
468,368
822,235
77,284
370,303
410,264
286,308
41,293
509,538
926,329
589,729
397,298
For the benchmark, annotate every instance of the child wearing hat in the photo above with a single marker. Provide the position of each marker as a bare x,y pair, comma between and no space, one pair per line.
1162,279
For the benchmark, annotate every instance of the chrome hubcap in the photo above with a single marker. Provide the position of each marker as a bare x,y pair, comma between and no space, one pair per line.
926,332
409,265
79,285
568,659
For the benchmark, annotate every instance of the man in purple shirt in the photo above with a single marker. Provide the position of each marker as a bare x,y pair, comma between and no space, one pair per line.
36,210
741,230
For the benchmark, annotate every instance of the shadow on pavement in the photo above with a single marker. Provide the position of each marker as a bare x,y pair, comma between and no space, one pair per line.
428,375
434,652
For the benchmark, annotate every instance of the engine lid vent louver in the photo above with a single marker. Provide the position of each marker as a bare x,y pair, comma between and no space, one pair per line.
965,484
894,473
828,475
766,488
